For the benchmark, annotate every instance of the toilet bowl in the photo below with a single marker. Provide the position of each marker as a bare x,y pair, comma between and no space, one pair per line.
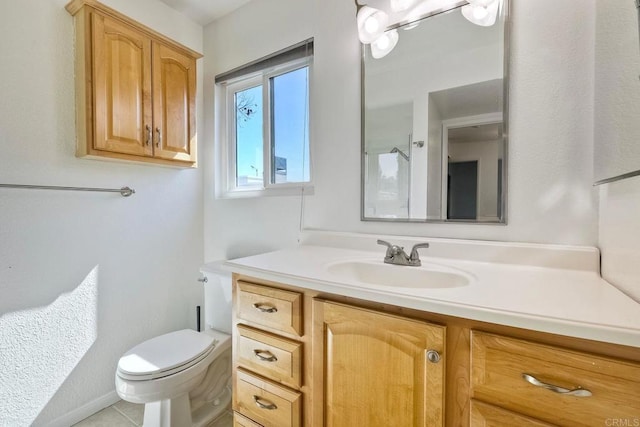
183,377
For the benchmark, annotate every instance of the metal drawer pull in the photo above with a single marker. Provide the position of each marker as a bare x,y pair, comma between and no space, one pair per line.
265,355
579,392
264,403
265,308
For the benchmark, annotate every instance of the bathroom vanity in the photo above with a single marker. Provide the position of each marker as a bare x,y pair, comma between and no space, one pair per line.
511,335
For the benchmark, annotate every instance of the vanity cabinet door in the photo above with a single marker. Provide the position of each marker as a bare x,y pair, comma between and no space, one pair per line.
377,369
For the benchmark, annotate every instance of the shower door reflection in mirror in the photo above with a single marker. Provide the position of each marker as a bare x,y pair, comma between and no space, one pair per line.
434,123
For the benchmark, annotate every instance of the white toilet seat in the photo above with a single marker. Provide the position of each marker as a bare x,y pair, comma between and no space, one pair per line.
165,355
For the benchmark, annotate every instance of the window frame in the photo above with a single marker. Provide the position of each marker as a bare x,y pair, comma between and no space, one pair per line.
228,123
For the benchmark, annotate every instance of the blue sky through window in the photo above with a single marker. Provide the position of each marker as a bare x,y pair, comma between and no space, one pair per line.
289,129
290,123
249,163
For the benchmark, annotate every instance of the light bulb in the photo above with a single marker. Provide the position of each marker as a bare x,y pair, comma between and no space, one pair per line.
480,12
400,5
371,25
383,42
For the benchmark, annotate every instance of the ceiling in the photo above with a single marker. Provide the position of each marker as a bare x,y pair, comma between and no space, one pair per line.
204,11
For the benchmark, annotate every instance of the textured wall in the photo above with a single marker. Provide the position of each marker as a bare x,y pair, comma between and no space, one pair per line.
83,276
551,134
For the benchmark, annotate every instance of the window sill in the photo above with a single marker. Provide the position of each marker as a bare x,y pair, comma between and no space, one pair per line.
294,190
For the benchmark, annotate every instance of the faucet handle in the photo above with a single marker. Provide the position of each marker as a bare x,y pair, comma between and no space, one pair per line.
415,256
388,245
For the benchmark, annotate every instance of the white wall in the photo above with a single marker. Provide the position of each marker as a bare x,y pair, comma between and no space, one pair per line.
620,234
242,227
616,131
551,111
83,276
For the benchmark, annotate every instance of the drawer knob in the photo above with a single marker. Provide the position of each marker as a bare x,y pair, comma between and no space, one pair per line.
579,391
265,308
265,355
264,403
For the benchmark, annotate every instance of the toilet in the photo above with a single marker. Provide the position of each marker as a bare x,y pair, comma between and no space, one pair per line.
184,377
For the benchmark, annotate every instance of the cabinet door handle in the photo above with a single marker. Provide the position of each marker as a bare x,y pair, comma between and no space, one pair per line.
264,403
265,308
265,355
159,140
148,139
433,356
579,391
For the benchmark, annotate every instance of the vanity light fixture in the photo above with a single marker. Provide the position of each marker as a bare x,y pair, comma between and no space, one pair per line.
373,21
384,44
371,24
481,12
400,5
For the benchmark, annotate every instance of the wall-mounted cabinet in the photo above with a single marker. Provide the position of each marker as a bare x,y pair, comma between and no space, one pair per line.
135,90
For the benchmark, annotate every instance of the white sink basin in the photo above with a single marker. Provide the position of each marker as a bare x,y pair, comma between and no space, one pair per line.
427,276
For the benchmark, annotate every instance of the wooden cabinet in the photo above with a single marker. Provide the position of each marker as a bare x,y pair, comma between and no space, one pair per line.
241,421
483,415
267,355
380,370
330,360
555,385
265,401
135,90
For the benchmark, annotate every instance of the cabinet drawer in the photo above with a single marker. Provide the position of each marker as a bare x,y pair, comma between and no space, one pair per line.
499,365
266,402
483,415
270,307
269,355
240,421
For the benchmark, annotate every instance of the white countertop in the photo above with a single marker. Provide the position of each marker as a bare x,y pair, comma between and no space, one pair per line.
571,301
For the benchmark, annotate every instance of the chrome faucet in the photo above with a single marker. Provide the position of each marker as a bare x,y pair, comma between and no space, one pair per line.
397,256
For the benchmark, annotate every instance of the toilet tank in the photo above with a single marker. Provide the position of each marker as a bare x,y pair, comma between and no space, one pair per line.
217,297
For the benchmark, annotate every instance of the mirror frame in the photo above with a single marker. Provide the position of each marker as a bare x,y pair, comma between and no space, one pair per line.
505,126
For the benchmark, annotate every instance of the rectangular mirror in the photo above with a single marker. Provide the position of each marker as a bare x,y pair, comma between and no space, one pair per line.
434,119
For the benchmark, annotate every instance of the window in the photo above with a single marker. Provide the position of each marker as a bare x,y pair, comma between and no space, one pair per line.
265,125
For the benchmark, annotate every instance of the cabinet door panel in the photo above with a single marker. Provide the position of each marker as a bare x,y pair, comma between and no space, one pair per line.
122,87
174,99
376,369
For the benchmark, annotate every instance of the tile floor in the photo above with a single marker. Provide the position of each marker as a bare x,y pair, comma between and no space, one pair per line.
121,414
125,414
